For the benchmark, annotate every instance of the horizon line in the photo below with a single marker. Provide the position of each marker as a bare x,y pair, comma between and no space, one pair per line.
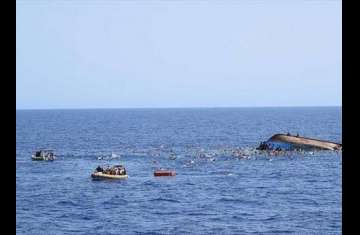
185,107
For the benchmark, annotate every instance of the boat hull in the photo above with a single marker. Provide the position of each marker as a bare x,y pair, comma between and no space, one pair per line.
42,159
100,175
288,142
164,173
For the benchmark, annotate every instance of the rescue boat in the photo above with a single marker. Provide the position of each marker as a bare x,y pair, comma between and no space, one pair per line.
163,172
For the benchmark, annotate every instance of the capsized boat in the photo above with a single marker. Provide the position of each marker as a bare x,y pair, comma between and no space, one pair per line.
164,172
114,172
290,142
43,155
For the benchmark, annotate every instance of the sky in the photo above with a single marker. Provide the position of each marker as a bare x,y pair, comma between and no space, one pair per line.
154,54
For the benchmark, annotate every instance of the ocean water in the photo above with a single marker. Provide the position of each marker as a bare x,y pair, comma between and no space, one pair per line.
214,191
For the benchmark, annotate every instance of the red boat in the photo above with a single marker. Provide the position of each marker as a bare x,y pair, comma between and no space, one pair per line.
164,173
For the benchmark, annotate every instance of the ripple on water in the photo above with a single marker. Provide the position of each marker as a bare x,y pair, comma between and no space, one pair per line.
162,199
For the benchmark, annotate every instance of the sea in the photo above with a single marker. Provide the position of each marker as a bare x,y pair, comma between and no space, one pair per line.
223,185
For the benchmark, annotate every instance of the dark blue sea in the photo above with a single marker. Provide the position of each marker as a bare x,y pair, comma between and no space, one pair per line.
214,192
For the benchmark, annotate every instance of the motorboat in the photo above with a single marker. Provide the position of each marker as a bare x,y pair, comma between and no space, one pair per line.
43,155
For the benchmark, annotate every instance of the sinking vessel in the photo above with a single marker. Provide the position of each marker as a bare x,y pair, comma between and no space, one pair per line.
290,142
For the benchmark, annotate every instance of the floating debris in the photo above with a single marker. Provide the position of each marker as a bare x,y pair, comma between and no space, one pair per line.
114,156
172,157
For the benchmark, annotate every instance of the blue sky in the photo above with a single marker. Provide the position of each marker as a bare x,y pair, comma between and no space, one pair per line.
122,54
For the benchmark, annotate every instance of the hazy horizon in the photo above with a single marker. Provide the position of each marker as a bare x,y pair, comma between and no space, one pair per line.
114,55
218,107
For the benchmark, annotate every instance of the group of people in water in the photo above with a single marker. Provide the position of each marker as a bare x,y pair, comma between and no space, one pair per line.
114,170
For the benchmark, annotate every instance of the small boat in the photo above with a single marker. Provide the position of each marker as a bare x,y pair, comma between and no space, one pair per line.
163,172
114,172
43,155
289,142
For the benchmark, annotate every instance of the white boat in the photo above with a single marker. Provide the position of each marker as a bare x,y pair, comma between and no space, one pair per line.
43,155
